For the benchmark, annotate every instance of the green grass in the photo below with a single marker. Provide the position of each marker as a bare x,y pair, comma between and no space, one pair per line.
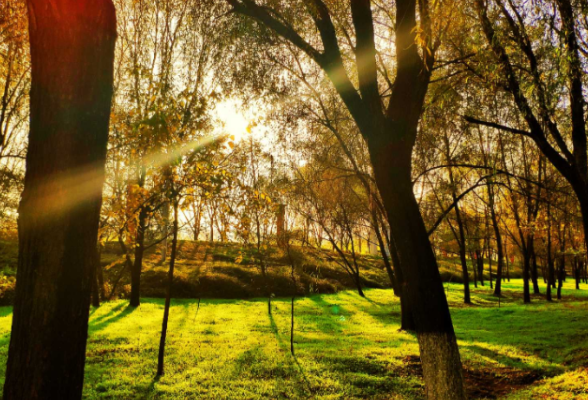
346,348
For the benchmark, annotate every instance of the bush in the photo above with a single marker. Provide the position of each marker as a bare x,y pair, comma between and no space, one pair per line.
7,286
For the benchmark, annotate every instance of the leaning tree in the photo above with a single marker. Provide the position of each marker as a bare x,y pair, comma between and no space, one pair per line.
389,129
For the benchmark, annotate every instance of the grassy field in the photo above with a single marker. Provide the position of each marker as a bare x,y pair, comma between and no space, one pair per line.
346,348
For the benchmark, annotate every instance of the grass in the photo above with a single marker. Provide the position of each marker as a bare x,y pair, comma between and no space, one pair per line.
346,348
211,270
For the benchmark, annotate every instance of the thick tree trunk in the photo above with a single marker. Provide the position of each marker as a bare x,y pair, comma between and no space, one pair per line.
138,262
407,322
72,53
423,287
170,281
581,190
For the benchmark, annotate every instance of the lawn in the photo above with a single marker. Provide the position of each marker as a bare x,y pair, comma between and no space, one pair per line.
346,347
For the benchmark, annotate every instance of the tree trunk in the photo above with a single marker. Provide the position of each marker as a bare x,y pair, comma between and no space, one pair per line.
579,267
526,275
462,256
72,53
100,273
582,194
534,273
507,263
474,269
138,262
387,265
480,265
423,287
95,291
560,275
165,212
357,282
550,264
170,281
490,266
499,250
406,320
197,219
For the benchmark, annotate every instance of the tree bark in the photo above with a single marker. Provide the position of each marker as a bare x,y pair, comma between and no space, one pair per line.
406,320
72,53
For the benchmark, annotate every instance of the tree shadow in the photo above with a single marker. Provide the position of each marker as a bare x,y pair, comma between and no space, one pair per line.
286,348
115,314
499,358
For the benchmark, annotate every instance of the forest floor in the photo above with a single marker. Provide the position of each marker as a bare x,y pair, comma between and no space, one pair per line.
346,347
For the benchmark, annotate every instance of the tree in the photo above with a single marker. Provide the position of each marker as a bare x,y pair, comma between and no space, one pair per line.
540,61
390,133
14,89
72,54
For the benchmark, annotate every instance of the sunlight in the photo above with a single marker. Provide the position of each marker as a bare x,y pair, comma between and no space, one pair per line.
237,199
232,119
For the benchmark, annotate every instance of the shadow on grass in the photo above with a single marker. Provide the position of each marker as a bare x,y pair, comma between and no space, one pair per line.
117,313
286,348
